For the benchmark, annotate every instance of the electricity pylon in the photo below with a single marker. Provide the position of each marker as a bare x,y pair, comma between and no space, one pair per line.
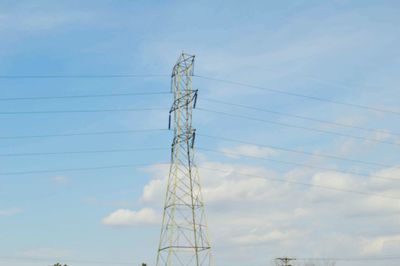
184,238
285,260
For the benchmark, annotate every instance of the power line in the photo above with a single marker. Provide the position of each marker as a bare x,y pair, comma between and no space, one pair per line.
370,108
77,169
295,126
296,151
329,82
373,130
199,76
304,184
205,99
163,93
149,130
161,148
201,167
300,164
106,76
201,109
84,111
94,133
79,152
84,96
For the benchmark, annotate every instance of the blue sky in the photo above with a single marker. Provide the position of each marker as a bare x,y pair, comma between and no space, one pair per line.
339,50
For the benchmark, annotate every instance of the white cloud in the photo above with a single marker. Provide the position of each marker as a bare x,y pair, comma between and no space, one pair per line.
392,172
383,243
235,183
381,135
46,253
125,217
347,147
10,212
153,190
272,236
107,203
226,184
249,150
60,180
333,179
248,210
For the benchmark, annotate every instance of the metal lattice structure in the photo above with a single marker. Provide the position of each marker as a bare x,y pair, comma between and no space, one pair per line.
284,261
184,239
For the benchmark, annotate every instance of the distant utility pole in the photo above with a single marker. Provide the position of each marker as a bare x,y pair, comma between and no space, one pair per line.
285,260
184,239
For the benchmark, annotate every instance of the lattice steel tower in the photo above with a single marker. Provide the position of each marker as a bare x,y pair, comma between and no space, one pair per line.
184,239
285,260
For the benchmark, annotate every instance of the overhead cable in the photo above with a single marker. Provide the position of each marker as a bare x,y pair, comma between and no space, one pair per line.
78,152
301,183
84,96
320,155
300,164
242,84
77,169
296,126
84,111
371,130
85,76
93,133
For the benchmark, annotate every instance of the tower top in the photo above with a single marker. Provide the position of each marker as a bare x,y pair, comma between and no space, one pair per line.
185,63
